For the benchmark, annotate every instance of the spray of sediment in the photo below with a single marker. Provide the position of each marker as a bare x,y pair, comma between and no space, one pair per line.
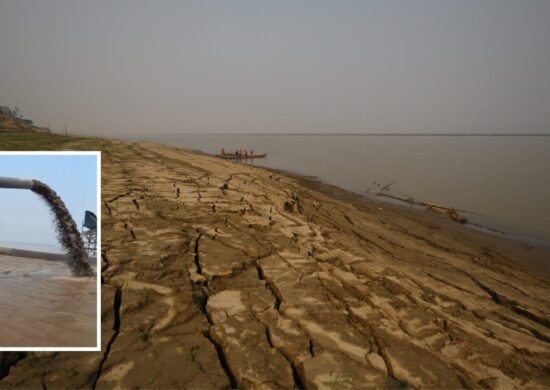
67,232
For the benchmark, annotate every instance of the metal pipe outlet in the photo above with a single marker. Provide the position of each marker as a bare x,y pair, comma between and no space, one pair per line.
10,182
67,232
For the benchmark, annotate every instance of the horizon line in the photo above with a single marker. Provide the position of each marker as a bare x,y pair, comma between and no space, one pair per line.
497,134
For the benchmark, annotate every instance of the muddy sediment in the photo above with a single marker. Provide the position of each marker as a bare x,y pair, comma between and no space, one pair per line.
66,229
220,275
43,305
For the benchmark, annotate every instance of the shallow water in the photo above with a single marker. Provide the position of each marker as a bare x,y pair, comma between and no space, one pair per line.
50,248
42,305
502,182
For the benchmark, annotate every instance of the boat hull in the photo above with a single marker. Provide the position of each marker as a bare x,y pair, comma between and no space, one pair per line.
235,157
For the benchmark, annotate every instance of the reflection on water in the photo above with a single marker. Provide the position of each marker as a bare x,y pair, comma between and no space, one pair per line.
502,181
42,305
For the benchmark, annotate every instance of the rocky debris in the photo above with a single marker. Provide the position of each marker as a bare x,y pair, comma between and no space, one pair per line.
207,285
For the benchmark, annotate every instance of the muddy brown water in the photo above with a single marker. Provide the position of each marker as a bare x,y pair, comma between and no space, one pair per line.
43,305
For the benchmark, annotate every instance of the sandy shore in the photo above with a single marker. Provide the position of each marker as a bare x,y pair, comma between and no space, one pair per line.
218,274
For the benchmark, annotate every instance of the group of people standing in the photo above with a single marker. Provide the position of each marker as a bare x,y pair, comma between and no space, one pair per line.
242,153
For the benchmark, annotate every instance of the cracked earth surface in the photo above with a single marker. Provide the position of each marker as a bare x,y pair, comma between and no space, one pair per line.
219,275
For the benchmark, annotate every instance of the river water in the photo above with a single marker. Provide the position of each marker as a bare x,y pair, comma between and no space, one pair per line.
500,181
48,248
42,305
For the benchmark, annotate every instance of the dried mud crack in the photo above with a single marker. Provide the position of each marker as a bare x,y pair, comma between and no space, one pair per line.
202,301
237,277
116,329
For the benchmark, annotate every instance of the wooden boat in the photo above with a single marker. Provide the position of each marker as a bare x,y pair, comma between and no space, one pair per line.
232,156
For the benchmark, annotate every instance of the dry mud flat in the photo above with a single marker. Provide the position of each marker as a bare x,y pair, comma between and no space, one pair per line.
42,305
219,275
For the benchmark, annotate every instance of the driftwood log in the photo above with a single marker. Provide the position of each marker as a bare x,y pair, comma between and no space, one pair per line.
452,213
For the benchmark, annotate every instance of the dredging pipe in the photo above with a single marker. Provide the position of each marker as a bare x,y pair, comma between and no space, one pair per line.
66,229
10,182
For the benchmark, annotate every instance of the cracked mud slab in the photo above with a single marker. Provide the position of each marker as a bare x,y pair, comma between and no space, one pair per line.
219,275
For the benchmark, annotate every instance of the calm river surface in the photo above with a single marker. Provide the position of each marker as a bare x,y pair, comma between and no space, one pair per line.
502,181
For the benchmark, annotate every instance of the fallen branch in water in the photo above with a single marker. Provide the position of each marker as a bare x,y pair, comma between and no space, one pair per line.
448,211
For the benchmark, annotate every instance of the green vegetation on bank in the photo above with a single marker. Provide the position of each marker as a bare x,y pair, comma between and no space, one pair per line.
26,140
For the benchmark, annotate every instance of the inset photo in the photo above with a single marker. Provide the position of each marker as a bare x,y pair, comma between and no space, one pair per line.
50,235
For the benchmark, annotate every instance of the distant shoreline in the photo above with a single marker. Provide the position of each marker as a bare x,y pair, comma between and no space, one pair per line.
32,246
504,224
361,134
248,263
314,182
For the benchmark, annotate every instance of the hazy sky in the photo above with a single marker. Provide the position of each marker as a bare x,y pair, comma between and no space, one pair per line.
123,67
24,216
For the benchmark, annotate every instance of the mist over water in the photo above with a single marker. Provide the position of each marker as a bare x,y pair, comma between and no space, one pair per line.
502,182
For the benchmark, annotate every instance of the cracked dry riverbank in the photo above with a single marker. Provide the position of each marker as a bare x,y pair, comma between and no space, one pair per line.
219,275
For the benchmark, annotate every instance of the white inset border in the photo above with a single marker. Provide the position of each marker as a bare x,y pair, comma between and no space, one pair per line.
98,253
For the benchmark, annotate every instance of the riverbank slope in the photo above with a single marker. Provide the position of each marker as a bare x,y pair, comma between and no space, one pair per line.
219,274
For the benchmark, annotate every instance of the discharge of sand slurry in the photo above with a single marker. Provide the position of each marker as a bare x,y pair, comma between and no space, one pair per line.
66,229
42,305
